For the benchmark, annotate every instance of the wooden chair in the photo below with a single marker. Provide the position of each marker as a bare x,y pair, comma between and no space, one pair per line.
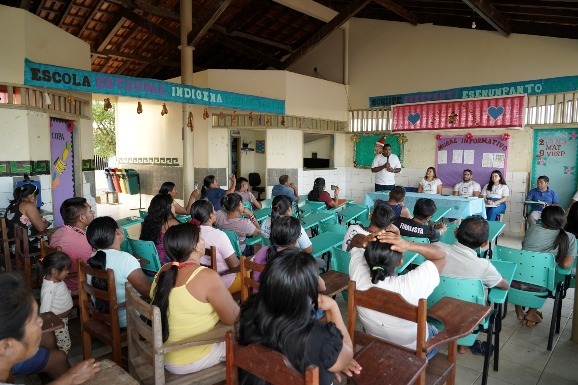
458,317
266,364
45,249
6,245
146,347
25,260
93,323
247,281
211,252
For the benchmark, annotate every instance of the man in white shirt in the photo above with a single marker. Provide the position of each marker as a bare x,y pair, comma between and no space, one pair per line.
462,261
468,187
385,165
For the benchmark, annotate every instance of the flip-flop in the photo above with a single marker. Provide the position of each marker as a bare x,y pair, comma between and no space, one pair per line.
539,314
479,348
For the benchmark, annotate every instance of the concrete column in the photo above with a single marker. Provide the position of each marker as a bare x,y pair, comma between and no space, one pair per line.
574,336
187,79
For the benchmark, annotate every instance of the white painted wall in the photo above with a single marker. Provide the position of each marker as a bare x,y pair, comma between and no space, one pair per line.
327,57
389,58
322,146
252,161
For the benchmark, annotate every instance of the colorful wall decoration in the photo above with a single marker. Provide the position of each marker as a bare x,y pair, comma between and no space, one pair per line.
529,87
45,75
504,112
62,164
481,154
555,155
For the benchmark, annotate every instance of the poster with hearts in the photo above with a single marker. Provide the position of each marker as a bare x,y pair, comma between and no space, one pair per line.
502,112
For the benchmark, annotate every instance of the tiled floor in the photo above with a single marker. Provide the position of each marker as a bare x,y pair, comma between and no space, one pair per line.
524,359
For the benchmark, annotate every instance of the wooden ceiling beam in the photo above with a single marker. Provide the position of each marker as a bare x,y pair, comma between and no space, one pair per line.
489,13
342,17
249,52
108,33
207,18
151,27
140,58
95,10
400,11
147,7
223,30
248,12
64,14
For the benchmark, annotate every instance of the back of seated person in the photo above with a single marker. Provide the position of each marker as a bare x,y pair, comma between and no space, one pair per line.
242,188
381,219
231,218
158,220
395,202
318,194
419,226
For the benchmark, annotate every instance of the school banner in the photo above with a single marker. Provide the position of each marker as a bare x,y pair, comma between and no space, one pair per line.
70,79
505,112
529,87
481,154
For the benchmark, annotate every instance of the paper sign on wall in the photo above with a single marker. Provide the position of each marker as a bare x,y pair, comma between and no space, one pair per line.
442,157
457,156
469,156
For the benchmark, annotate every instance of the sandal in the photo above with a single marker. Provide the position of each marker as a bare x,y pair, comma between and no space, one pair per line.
479,348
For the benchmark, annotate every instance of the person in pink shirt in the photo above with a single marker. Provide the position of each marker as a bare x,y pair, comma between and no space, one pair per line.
71,238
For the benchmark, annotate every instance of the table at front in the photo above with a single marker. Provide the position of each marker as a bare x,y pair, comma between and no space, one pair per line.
111,373
440,213
461,207
499,297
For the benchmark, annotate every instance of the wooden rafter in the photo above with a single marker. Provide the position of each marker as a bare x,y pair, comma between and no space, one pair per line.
399,10
151,27
144,59
223,30
342,17
254,8
147,7
64,14
95,10
209,15
490,14
250,52
108,33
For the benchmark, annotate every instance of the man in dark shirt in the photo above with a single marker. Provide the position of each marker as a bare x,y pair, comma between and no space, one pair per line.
419,226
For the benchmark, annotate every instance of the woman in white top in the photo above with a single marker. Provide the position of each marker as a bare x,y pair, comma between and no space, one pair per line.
495,194
430,184
203,215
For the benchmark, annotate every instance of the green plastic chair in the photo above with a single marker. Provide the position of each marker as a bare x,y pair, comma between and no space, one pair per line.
340,262
265,203
234,241
420,258
146,250
143,213
469,290
537,269
184,218
249,241
125,245
328,226
248,205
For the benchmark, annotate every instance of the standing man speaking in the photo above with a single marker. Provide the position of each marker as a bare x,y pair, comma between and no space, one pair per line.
385,165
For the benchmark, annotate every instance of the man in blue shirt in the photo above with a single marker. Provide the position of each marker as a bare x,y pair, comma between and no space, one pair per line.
285,188
541,194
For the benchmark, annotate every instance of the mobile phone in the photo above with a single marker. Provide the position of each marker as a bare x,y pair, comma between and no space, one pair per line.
196,185
333,187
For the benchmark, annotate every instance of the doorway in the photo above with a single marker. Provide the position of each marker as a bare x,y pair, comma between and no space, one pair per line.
248,153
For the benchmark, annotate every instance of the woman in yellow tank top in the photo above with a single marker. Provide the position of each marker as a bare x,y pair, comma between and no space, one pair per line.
192,299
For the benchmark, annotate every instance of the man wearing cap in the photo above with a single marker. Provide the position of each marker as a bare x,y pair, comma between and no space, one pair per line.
385,165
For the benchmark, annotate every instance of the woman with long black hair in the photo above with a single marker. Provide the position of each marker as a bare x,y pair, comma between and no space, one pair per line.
22,211
495,194
318,194
282,317
213,193
192,299
158,220
548,237
170,189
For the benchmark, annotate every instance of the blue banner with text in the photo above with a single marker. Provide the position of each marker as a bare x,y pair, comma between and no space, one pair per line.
70,79
530,87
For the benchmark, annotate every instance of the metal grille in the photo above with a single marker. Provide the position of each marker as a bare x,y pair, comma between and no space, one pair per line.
540,110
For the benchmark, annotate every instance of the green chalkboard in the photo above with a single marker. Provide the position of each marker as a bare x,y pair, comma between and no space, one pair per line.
364,144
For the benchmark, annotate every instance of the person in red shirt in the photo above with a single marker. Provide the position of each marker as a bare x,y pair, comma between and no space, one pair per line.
320,195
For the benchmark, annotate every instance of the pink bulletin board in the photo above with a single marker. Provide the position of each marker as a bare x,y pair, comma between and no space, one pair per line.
481,154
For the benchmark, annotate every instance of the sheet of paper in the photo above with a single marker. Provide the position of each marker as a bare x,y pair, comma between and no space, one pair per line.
488,160
499,160
457,156
443,157
468,156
